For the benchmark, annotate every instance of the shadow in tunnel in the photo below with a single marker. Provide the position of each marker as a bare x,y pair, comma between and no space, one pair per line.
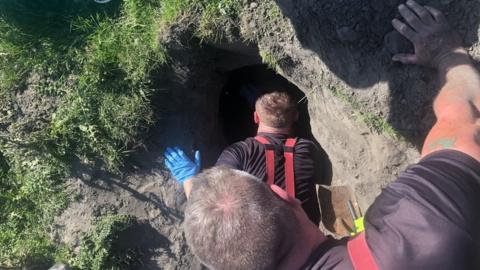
356,40
236,107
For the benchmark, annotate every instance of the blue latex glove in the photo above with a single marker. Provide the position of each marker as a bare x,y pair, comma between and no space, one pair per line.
181,167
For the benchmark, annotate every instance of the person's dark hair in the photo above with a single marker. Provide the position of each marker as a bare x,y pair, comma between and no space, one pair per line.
234,221
276,109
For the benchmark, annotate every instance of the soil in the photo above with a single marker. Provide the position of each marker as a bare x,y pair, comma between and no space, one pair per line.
25,112
343,45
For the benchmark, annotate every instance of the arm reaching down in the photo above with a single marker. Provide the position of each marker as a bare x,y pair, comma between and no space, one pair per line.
457,105
456,109
181,167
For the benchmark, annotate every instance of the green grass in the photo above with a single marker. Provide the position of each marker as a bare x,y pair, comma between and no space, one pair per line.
30,196
211,20
99,65
97,61
173,10
108,59
100,249
269,59
217,15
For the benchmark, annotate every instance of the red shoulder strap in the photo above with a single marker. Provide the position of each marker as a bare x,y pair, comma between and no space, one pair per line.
269,158
288,153
360,254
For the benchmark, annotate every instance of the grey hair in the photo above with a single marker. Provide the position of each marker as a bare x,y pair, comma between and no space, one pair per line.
234,221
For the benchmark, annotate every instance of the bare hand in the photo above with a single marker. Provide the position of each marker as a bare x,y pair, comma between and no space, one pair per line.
435,42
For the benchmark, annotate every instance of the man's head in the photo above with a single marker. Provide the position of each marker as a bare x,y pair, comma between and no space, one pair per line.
234,221
276,110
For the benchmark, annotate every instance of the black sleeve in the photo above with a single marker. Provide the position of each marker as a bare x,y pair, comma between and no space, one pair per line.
427,218
233,157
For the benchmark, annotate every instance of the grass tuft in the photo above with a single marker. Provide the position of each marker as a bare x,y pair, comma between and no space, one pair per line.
269,59
212,20
100,248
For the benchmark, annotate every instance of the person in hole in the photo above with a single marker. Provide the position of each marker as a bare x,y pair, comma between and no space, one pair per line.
276,155
426,219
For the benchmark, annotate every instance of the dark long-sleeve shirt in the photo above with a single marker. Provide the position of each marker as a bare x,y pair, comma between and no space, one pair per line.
426,219
249,156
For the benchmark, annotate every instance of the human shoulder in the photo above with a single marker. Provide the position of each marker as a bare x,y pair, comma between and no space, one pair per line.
435,200
242,145
307,146
234,155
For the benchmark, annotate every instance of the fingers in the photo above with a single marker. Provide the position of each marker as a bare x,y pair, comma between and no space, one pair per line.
180,153
169,164
284,195
198,160
411,18
421,12
171,155
175,155
280,193
437,15
407,59
404,29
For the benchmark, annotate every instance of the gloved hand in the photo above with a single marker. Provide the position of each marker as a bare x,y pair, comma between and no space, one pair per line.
181,167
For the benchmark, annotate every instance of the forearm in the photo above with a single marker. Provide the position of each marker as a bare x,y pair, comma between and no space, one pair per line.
181,167
460,87
187,187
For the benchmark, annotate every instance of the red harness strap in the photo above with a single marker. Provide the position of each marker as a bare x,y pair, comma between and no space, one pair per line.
288,151
360,254
269,158
289,165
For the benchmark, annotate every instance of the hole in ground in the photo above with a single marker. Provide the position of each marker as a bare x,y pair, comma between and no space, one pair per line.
238,98
236,114
237,104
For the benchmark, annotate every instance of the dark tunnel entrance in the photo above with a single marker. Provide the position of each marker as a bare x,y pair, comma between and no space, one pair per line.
237,104
236,115
238,98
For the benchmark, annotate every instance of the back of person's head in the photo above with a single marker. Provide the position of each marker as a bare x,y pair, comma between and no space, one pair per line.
234,221
276,109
